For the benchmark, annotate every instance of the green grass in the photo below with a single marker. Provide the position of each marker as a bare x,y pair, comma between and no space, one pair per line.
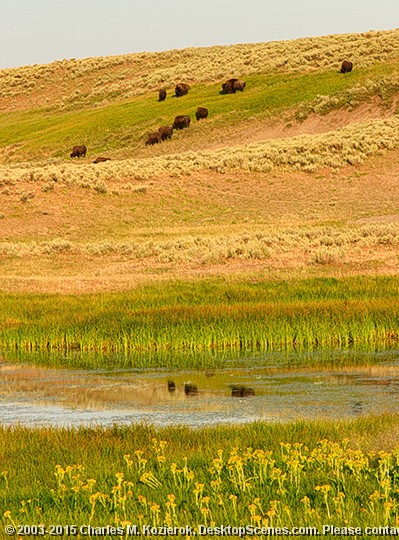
50,133
206,315
224,475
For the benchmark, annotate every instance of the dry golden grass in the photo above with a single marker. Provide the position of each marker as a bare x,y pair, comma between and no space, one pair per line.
68,83
351,144
279,224
311,191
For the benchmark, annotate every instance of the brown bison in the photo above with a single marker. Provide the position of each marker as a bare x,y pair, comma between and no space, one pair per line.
153,138
232,85
165,132
79,151
201,113
101,159
162,94
190,389
346,67
242,391
182,89
181,122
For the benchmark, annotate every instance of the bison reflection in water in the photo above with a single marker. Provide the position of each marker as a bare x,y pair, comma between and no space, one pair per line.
242,391
171,386
190,389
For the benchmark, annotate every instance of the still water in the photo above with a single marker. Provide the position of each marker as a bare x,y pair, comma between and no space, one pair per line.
37,396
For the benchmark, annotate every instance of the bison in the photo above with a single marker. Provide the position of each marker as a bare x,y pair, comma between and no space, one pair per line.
165,132
182,89
242,391
201,112
79,151
101,159
181,122
232,85
346,67
162,94
190,389
153,138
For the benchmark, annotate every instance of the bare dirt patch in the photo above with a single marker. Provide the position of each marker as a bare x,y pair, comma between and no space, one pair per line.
257,225
287,126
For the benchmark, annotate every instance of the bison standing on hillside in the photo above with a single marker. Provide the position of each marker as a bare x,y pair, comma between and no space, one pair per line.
165,132
201,112
162,94
79,151
153,138
346,67
101,159
182,89
232,85
181,122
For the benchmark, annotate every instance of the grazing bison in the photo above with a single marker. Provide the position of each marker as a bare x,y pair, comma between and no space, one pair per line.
239,85
346,67
153,138
182,89
232,85
201,113
181,122
162,94
165,132
79,151
101,159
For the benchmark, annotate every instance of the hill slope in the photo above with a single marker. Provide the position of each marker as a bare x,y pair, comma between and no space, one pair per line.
297,175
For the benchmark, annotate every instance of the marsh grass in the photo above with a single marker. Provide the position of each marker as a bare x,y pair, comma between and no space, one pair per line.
210,361
207,315
271,475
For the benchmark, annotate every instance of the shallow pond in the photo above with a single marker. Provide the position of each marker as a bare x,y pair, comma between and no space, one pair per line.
32,395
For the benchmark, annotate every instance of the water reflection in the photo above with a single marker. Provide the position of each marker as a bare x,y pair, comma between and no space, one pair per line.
242,391
190,389
36,396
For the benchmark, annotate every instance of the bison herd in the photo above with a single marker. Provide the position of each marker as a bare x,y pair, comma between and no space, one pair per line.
231,86
183,121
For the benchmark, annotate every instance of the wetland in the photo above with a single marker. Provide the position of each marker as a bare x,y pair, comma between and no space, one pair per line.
275,387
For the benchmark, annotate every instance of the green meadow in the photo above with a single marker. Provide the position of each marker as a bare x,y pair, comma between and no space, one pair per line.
207,315
207,251
122,126
303,474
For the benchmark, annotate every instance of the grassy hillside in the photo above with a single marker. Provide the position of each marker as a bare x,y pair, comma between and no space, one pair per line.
120,128
95,81
294,177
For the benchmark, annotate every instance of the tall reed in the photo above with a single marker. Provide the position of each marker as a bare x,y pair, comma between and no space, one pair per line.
208,315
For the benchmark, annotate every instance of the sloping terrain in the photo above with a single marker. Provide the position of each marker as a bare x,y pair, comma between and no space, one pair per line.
296,176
